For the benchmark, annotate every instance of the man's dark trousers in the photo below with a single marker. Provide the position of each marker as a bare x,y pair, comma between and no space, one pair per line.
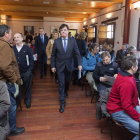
42,59
64,79
27,81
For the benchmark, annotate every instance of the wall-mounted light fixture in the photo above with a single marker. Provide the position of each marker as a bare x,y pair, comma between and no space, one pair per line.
85,23
137,5
93,20
108,15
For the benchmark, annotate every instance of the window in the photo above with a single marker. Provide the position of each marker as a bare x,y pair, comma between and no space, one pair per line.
110,31
92,33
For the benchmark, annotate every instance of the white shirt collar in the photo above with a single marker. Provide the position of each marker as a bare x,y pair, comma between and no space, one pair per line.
65,38
19,48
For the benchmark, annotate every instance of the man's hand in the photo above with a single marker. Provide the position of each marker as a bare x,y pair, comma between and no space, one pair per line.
36,55
49,57
53,70
80,68
115,76
103,79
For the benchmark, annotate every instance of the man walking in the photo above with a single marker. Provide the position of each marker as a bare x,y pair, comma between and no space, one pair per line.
61,62
41,42
25,61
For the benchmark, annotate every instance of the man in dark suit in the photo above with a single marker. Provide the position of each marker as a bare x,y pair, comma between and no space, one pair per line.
29,37
122,52
61,61
41,42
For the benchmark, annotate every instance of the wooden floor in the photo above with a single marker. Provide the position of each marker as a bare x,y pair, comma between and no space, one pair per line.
44,122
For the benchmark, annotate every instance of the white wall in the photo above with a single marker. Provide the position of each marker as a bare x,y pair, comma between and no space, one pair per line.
17,25
135,15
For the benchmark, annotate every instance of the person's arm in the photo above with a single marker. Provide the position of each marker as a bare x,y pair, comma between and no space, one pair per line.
53,56
36,46
31,59
5,66
118,56
48,49
84,48
96,76
4,99
112,54
77,53
126,93
86,66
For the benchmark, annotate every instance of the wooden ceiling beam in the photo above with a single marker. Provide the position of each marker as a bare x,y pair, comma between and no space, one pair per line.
57,9
106,1
43,15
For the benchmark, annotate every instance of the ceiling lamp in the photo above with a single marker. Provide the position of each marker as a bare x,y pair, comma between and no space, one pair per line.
108,15
137,5
93,20
80,3
46,2
85,23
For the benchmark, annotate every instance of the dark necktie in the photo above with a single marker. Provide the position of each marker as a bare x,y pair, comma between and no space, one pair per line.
42,39
65,45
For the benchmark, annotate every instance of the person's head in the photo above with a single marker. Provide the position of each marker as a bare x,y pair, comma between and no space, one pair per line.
24,41
33,42
109,47
129,53
14,42
82,35
55,35
104,45
29,44
28,33
94,48
106,57
64,30
132,49
41,31
125,46
100,47
89,46
5,32
18,37
45,34
36,34
130,64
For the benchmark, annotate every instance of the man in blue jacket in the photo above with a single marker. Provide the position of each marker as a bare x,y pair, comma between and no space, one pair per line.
89,63
25,61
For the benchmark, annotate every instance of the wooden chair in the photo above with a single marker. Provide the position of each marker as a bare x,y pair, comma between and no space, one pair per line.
95,93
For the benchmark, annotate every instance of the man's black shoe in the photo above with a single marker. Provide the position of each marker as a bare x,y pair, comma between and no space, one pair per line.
66,94
62,106
28,106
17,131
41,76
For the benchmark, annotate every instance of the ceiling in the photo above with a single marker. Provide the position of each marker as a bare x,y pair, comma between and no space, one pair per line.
69,9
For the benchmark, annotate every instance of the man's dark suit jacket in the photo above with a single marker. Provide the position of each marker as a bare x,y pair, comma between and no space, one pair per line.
39,46
119,54
61,59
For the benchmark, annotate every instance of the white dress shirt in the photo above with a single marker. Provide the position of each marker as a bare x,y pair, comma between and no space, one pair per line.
19,48
65,40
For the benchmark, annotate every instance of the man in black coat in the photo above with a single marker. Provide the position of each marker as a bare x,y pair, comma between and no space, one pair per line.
41,42
61,61
122,52
25,61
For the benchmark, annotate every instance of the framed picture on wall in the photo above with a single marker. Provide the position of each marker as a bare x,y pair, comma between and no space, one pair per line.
29,29
54,29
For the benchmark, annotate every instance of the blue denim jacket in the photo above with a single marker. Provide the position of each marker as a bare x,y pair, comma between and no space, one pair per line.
89,62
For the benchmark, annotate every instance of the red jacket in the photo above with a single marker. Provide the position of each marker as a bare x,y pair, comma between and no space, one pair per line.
124,95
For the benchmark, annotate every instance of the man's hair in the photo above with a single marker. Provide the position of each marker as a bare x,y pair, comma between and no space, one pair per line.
131,53
128,62
4,28
131,48
93,46
126,45
110,45
63,25
41,28
104,54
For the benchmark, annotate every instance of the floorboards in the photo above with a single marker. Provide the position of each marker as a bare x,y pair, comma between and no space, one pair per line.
78,122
